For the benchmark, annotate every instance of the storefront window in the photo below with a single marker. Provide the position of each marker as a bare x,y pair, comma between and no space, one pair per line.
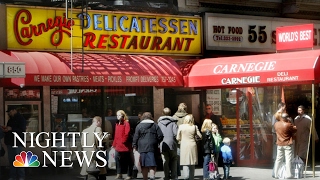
73,108
28,104
247,120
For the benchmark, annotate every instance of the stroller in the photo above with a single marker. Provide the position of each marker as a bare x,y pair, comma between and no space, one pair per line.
213,170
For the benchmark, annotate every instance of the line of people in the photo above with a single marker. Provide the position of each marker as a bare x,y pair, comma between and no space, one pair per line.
172,138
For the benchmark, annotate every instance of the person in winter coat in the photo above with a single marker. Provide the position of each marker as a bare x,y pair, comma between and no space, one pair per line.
181,113
146,139
168,147
179,116
285,132
210,115
123,146
227,157
303,123
189,152
208,146
91,139
17,124
217,142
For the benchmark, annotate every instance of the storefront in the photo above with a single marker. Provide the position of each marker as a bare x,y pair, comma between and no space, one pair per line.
70,77
245,92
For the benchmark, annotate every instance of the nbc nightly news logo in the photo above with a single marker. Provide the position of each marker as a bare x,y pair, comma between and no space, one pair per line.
28,159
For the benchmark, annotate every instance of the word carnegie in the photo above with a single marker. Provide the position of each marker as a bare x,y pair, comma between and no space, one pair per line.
82,156
245,67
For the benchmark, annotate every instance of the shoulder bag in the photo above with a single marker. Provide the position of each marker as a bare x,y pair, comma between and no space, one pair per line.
196,137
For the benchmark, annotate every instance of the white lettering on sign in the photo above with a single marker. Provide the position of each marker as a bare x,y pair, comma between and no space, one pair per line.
56,78
98,78
132,79
66,79
242,80
282,73
247,67
305,35
80,78
288,36
46,78
149,78
285,78
295,36
114,79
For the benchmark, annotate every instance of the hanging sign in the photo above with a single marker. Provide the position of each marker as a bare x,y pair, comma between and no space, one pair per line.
294,37
102,31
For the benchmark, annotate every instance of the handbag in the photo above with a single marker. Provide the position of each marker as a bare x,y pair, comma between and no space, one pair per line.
93,169
196,137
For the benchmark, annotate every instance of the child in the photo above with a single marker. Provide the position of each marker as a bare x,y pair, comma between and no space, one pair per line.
227,157
217,140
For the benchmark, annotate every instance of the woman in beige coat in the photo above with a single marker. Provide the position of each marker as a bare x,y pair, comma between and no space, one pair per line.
90,139
188,146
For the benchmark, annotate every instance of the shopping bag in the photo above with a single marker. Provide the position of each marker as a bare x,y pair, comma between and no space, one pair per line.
297,165
136,156
112,160
213,169
211,166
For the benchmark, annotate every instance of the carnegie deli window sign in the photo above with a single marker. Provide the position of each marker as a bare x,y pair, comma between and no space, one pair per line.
251,33
50,29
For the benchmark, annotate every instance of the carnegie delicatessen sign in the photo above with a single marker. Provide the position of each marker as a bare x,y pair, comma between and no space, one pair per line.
51,29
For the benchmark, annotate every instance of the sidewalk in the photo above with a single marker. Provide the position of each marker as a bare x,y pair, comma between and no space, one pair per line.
237,173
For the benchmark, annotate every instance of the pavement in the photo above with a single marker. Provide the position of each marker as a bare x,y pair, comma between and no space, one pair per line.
237,173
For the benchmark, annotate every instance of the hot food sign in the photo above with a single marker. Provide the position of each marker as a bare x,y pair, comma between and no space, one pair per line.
52,29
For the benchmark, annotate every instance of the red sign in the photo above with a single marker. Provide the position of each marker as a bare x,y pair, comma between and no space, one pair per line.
294,37
291,67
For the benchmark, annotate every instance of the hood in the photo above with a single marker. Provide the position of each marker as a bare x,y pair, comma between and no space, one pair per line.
147,123
180,114
165,120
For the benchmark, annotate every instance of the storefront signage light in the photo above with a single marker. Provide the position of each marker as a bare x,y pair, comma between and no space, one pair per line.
50,29
295,37
244,67
256,34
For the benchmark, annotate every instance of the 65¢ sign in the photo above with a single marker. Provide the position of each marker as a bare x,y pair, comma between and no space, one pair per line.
249,33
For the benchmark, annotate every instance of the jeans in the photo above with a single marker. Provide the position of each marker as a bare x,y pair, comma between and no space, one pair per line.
226,170
206,160
178,162
15,172
188,171
170,159
283,152
124,162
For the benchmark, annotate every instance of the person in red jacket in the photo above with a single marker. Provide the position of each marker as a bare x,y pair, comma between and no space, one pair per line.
123,146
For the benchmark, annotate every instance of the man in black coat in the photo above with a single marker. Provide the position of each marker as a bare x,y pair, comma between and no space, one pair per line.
215,119
17,124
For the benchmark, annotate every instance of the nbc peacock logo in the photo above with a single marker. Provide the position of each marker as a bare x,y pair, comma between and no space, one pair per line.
26,159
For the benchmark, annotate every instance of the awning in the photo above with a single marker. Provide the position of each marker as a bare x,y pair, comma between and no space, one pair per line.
10,67
59,69
279,68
